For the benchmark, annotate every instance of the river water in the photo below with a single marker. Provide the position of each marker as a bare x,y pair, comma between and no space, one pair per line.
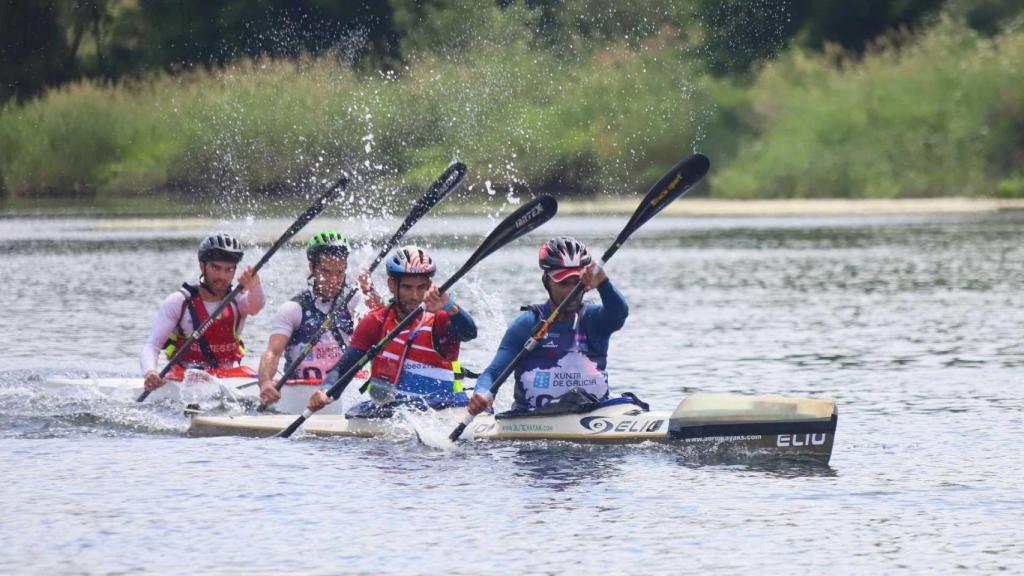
911,323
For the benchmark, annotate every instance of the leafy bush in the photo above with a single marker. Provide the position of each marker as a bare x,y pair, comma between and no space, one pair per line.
941,116
936,114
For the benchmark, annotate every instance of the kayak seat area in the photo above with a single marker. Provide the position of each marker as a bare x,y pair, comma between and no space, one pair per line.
372,410
577,401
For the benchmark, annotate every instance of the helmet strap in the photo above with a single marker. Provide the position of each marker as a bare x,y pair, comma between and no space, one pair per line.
205,286
202,280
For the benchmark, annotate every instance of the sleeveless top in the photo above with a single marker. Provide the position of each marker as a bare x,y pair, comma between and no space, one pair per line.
325,354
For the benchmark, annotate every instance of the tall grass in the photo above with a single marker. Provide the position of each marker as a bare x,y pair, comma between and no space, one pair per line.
943,114
519,115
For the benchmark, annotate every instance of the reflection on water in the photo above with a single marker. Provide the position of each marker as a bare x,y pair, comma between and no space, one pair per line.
912,324
559,466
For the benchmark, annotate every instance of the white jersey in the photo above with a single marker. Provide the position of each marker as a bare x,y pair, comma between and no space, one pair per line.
170,315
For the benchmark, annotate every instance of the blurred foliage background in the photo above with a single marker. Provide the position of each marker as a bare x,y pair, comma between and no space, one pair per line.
110,99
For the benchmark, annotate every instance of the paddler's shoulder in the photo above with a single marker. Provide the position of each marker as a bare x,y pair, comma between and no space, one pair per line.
528,316
376,315
176,298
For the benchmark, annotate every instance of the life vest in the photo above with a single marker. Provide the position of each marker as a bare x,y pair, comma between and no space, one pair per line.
325,353
563,360
219,346
240,371
411,362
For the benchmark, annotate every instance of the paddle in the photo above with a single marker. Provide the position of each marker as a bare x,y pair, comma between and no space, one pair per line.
312,212
672,185
449,180
528,217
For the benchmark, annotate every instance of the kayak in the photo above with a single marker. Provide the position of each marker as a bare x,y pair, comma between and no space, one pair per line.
196,388
776,426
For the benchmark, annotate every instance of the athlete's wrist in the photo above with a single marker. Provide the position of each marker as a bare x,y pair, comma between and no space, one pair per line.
450,304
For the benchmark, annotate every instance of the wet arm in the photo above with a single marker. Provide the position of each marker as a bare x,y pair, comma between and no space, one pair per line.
511,343
612,313
166,319
461,325
271,357
349,358
251,301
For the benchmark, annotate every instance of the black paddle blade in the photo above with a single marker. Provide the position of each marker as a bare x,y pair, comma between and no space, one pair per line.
449,180
313,211
528,217
457,432
672,185
287,432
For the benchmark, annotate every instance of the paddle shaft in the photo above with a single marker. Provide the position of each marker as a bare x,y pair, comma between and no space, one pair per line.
526,218
312,212
448,181
531,343
338,388
672,185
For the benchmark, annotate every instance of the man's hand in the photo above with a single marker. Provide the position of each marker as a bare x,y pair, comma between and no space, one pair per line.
365,281
479,402
249,278
434,300
318,400
593,277
269,393
153,380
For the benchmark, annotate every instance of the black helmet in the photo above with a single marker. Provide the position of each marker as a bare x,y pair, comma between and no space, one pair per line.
410,261
329,243
220,248
563,257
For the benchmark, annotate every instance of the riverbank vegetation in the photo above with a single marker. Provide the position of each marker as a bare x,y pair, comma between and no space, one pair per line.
529,101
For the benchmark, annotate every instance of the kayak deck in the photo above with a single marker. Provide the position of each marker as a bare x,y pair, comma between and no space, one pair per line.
294,395
797,428
265,426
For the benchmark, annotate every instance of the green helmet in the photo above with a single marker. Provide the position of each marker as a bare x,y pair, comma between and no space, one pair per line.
328,242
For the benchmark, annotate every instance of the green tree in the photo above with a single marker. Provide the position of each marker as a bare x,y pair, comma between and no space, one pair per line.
33,51
853,25
988,16
741,33
181,33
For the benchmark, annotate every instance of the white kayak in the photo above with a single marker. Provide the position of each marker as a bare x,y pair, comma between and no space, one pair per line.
777,426
196,388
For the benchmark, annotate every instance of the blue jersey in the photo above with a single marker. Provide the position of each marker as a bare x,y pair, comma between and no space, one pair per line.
568,357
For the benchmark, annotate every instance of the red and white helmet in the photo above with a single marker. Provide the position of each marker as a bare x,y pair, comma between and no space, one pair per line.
410,261
563,257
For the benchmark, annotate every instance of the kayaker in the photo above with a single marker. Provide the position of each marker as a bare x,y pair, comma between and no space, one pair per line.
300,318
220,349
421,364
573,355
